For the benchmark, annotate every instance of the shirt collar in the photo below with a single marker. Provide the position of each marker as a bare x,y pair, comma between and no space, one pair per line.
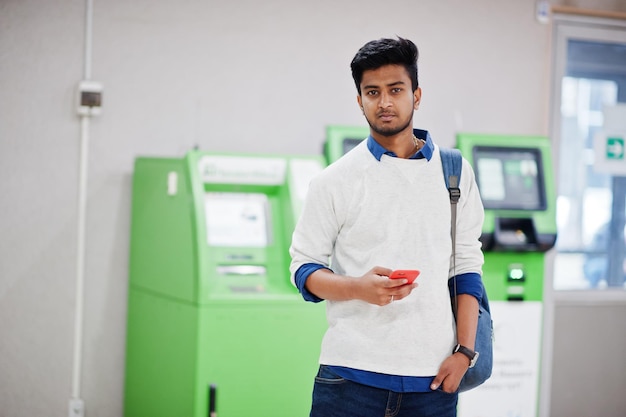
426,152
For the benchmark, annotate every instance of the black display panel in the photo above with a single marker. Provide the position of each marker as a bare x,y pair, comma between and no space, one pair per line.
510,178
349,144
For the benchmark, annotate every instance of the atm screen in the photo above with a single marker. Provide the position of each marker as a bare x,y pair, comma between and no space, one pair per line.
237,219
510,178
349,144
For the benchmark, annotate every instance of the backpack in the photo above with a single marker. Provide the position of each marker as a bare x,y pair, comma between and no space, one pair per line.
452,162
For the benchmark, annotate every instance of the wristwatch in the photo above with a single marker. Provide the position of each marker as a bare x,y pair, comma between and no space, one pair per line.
471,355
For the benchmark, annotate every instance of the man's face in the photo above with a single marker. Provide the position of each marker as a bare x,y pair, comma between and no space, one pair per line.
387,99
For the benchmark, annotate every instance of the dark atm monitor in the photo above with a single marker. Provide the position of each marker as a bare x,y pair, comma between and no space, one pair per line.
510,178
350,143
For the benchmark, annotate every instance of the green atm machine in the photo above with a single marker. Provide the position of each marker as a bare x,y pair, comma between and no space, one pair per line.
341,139
514,176
214,325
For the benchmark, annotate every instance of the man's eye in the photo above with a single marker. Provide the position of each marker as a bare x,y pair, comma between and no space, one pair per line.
396,90
372,93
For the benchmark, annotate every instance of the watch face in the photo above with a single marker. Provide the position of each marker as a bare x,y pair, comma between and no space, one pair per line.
474,360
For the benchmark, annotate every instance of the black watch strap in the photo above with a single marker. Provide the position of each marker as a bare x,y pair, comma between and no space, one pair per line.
471,355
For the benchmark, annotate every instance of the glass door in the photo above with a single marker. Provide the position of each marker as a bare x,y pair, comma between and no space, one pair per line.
588,128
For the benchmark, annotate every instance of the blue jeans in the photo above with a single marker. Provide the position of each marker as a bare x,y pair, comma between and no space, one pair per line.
334,396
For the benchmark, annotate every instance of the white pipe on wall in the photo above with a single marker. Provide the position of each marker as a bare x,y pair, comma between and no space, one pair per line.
80,258
88,37
76,406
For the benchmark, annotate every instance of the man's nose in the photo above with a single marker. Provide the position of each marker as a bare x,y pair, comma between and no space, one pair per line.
385,100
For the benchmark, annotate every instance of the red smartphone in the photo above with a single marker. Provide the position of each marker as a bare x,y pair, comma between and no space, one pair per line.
409,274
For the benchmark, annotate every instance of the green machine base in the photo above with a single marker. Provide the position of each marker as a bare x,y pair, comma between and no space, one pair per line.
260,355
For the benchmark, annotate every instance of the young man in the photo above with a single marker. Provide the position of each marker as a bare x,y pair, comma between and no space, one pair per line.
388,350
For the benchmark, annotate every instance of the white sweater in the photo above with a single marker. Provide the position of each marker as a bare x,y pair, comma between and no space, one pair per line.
395,213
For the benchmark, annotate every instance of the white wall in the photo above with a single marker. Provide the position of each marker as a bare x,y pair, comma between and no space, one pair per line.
243,76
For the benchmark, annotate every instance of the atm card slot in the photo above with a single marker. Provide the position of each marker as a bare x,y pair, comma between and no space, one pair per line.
241,270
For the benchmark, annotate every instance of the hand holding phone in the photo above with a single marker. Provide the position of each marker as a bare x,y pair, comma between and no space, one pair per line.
408,274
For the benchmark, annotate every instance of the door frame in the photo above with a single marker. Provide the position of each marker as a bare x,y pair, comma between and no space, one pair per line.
564,28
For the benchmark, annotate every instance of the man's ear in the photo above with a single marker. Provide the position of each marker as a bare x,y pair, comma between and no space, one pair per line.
358,100
417,96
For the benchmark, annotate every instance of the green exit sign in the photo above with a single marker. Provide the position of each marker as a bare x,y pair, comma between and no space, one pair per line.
615,148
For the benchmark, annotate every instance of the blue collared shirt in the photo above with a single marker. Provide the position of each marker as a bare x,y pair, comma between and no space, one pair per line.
426,152
468,283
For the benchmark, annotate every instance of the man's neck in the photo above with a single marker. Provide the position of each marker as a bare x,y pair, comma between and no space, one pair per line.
402,144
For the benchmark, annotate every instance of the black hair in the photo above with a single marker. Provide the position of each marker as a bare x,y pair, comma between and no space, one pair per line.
378,53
